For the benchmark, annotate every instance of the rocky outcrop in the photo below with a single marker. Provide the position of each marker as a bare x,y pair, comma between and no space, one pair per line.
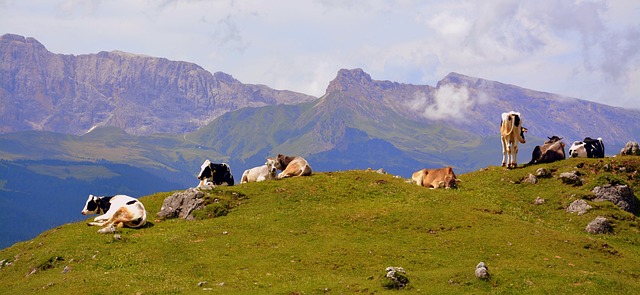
600,225
631,148
182,204
620,195
40,90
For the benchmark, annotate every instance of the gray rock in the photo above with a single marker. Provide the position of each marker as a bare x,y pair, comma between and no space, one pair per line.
482,271
182,204
107,229
543,173
631,148
599,225
579,206
530,179
621,195
395,278
538,201
572,178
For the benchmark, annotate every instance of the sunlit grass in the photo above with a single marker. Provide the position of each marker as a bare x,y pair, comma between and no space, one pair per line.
337,232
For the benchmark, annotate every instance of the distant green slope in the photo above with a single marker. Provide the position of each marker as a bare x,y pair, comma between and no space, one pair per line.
336,233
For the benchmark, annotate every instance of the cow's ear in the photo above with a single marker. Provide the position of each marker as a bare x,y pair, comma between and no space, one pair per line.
458,180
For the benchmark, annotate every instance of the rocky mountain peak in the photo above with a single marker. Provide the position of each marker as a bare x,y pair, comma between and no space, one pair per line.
224,77
347,79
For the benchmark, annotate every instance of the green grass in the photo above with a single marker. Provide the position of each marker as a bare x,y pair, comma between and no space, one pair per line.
336,233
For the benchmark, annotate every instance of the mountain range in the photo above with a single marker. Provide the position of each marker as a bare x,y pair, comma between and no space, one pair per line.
115,122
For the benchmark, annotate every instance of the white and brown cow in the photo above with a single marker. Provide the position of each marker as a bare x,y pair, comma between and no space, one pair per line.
261,173
435,178
292,166
552,150
511,132
118,211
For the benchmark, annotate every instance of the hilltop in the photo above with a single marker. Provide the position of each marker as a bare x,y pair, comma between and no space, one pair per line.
336,232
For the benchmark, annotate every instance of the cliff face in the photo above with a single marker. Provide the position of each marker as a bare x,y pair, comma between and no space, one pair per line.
40,90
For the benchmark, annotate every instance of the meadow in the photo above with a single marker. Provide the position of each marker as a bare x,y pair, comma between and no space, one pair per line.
336,232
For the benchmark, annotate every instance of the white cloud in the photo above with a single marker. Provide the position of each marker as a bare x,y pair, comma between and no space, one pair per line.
448,102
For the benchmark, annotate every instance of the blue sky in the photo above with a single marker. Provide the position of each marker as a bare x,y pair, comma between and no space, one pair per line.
583,49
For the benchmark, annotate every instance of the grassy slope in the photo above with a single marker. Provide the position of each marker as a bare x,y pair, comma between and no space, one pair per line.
337,232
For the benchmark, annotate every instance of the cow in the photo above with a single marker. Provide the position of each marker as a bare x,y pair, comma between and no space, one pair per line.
587,148
435,178
511,132
265,172
118,211
552,150
292,166
215,173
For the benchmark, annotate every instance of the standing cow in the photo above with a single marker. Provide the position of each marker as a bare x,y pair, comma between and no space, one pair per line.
511,132
587,148
215,173
552,150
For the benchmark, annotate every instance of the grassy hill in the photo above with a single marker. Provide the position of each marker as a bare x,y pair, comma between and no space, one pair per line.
336,232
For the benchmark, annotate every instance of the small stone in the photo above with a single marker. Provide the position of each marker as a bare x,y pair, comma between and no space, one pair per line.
482,271
66,269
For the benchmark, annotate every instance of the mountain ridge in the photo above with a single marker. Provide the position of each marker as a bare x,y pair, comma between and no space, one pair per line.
40,90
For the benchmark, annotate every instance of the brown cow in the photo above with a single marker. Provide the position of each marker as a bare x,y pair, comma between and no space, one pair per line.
292,166
435,178
511,132
552,150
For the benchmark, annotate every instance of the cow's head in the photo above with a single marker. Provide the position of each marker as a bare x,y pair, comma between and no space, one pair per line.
577,150
271,165
450,180
523,130
205,170
553,139
281,162
92,206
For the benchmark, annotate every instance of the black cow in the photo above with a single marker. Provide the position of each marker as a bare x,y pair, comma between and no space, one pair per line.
552,150
215,173
587,148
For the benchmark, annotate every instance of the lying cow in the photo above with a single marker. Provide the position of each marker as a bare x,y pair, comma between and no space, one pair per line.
215,173
292,166
118,211
261,173
587,148
552,150
511,132
435,178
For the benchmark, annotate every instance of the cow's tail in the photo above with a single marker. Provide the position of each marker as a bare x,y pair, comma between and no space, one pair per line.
511,126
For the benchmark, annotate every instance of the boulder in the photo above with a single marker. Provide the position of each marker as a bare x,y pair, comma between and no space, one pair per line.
395,278
630,149
579,206
182,204
572,178
621,195
530,179
599,225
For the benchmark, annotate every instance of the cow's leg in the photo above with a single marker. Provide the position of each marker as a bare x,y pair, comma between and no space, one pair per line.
513,151
100,220
119,218
504,152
